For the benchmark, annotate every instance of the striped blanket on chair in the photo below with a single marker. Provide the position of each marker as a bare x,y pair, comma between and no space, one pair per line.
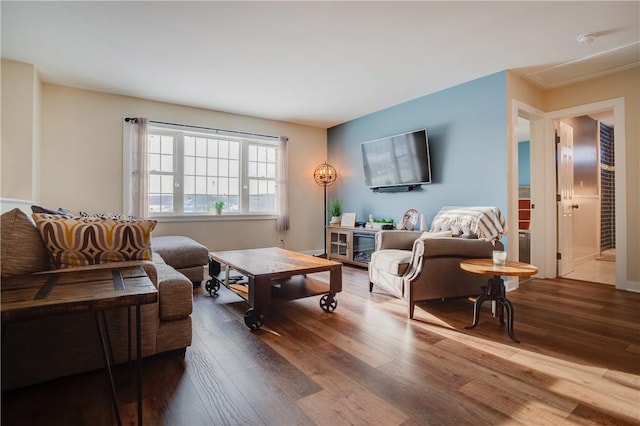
487,223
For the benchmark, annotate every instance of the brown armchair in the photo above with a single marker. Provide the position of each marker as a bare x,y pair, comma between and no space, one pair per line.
416,267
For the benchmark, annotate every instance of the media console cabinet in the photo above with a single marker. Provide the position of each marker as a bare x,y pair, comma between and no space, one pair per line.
350,244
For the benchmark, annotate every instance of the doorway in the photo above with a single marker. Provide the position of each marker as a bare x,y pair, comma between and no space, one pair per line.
617,105
544,231
586,189
527,191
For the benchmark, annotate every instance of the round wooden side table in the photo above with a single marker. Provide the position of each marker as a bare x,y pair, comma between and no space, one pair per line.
494,290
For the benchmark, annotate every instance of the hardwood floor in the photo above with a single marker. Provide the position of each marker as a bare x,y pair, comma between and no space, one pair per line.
578,363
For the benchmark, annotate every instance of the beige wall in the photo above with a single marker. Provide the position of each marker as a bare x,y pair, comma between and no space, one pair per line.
20,148
82,167
519,89
623,84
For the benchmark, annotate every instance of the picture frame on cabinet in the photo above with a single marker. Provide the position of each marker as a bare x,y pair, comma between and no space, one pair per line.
348,220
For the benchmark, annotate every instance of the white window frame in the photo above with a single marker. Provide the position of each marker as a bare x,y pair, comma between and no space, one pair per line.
179,131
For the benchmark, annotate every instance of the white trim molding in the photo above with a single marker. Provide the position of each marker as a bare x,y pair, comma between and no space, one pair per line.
538,190
7,204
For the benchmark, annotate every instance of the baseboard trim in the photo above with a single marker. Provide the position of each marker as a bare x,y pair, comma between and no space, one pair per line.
632,286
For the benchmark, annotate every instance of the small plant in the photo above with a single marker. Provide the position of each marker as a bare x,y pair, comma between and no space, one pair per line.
384,221
335,208
218,205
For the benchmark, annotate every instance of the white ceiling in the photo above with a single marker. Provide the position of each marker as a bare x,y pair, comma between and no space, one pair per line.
314,63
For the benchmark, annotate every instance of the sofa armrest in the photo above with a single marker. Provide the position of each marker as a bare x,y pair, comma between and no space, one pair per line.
400,240
447,248
147,265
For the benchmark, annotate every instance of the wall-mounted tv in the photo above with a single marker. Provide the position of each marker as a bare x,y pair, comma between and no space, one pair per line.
400,161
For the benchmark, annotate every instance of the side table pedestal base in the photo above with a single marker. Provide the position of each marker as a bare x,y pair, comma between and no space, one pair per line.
494,291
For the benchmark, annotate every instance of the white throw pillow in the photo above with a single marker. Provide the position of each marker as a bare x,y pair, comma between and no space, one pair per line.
439,234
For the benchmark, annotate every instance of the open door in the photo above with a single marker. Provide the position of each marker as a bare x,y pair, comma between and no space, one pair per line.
564,198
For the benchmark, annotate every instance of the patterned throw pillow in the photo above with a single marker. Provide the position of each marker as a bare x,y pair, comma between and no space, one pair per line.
74,241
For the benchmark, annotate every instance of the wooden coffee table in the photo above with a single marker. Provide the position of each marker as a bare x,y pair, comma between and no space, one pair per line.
274,275
76,291
494,290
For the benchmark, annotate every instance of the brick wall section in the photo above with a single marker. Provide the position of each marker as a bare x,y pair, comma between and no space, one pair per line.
607,185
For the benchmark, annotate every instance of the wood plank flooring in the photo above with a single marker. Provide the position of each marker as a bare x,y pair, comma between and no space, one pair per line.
578,363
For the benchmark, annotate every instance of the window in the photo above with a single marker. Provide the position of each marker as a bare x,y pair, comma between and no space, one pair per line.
190,170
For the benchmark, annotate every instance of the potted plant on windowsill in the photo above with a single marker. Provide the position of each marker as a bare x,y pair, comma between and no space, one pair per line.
335,210
218,206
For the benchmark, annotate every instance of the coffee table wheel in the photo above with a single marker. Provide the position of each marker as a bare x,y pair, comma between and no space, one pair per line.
212,286
328,303
253,319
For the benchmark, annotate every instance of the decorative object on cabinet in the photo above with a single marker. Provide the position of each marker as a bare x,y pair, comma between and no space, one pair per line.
335,209
423,222
379,223
410,220
348,220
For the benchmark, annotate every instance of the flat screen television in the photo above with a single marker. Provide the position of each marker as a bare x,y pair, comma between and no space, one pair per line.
397,161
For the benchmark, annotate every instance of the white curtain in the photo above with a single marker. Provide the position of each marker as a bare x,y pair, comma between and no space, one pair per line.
136,190
282,223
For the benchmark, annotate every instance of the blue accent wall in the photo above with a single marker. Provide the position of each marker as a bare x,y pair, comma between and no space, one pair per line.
524,163
467,130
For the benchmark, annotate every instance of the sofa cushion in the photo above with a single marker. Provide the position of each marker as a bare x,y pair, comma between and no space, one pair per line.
23,251
392,261
74,241
180,252
175,293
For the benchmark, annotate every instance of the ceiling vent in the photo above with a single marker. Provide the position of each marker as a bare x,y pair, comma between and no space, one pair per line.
588,67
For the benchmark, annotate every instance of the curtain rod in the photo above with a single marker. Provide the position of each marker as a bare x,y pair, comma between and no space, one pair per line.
135,120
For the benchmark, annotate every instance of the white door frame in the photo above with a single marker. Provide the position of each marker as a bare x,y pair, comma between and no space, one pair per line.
538,191
617,105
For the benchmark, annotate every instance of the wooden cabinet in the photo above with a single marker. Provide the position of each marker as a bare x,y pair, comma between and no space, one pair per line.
350,245
339,244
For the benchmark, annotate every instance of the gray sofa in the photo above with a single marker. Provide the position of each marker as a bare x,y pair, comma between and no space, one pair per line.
43,349
183,254
415,267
